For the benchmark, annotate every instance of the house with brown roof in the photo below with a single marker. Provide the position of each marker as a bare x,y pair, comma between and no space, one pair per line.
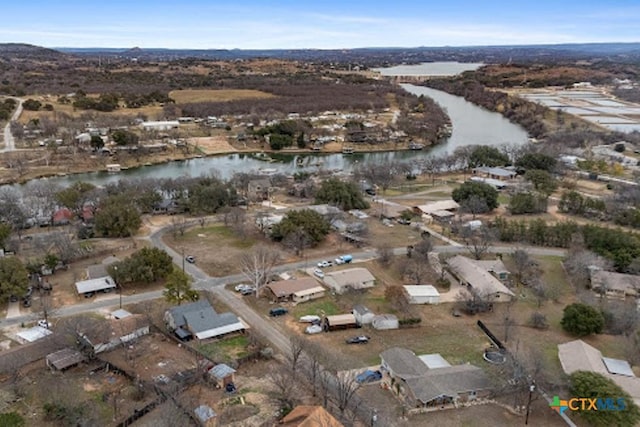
615,285
577,355
310,416
296,290
478,280
350,278
425,387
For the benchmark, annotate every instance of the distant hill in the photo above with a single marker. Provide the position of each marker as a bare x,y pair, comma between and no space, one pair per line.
380,56
387,55
24,51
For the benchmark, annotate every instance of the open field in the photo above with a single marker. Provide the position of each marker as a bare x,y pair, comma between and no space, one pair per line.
216,95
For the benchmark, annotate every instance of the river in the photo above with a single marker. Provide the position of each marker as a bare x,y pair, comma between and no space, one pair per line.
472,125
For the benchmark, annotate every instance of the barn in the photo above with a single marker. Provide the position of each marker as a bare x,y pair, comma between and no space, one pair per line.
422,294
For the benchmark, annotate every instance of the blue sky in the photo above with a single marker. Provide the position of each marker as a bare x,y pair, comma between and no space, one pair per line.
324,24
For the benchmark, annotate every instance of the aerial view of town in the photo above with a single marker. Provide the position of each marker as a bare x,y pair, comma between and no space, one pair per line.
342,214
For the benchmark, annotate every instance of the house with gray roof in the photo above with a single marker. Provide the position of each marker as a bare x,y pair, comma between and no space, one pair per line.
350,278
423,386
478,280
222,374
616,285
199,319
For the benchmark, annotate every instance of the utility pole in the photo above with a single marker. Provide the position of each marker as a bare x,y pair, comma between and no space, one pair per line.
532,387
183,259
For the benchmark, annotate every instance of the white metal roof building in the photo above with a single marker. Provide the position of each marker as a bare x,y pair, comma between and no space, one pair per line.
422,294
94,285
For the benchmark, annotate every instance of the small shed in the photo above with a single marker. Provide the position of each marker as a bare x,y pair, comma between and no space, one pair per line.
363,315
64,359
340,321
222,375
383,322
422,294
204,413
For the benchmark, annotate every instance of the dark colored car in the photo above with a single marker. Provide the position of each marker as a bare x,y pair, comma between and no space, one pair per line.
28,293
360,339
89,294
190,259
26,302
368,376
278,311
13,298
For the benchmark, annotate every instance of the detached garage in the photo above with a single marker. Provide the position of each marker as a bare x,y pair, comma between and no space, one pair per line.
422,294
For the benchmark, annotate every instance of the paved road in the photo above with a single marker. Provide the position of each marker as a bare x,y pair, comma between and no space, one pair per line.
216,284
9,141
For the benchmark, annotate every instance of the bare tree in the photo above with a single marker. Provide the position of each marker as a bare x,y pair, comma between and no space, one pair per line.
312,355
524,265
346,387
236,218
285,389
179,226
478,241
298,240
296,345
385,254
474,205
257,265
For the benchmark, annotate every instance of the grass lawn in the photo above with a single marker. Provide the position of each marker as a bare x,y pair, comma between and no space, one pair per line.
226,350
212,95
323,306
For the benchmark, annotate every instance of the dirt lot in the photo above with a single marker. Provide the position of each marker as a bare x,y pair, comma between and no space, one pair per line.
212,144
213,95
101,397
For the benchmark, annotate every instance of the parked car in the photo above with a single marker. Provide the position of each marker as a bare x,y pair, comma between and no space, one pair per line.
343,259
360,339
190,259
319,273
311,318
249,290
26,302
28,293
44,324
241,287
368,376
313,329
324,264
278,311
13,298
89,294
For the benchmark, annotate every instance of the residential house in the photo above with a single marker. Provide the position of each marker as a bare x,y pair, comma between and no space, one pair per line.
422,294
495,267
165,207
442,210
222,374
478,280
363,315
160,125
495,183
297,290
495,173
62,216
327,211
114,333
430,387
309,416
64,359
616,285
579,356
258,190
350,278
199,319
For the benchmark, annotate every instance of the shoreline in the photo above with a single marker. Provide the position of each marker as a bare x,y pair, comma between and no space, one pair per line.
159,161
